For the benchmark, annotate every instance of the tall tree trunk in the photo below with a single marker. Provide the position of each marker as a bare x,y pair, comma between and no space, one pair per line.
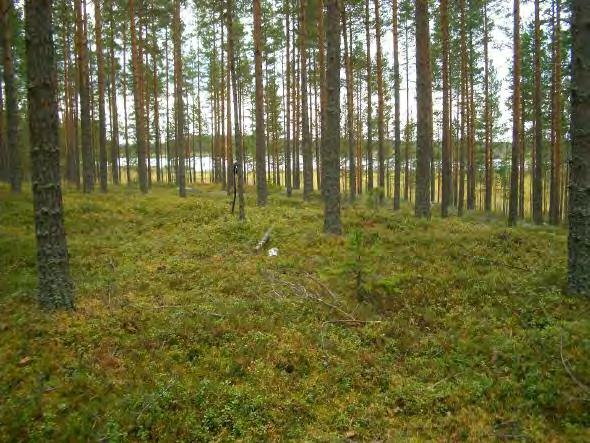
331,140
12,121
260,146
84,90
102,125
446,122
464,109
55,285
305,133
516,119
396,91
369,99
556,109
323,90
537,104
579,185
113,109
349,107
489,158
178,100
424,117
140,137
380,104
126,123
237,131
156,91
288,166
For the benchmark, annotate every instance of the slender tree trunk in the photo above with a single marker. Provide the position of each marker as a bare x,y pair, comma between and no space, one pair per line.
369,99
288,170
331,139
12,121
556,109
446,130
156,83
306,137
349,107
424,118
538,167
579,185
323,90
380,104
489,157
102,125
140,138
178,100
126,122
464,111
237,131
260,146
55,285
84,90
113,110
516,119
396,92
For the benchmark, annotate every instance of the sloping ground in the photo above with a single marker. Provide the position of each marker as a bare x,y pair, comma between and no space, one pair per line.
401,330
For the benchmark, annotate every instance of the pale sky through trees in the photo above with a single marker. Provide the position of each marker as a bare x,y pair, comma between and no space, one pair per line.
500,56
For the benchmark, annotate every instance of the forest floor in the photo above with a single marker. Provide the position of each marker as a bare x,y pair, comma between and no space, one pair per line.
401,330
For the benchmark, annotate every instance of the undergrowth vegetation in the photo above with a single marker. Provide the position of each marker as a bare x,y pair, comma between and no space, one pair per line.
400,330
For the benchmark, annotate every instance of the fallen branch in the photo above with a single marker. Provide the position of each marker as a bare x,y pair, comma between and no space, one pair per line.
265,239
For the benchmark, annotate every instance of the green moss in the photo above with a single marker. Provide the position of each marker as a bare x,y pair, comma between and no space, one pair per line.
183,333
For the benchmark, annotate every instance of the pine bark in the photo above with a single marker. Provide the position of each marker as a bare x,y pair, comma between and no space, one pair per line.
84,91
237,130
489,158
55,285
396,91
516,119
288,167
349,107
369,80
446,122
113,109
537,103
305,132
261,190
380,104
579,185
424,117
178,100
140,137
555,209
331,140
102,126
15,172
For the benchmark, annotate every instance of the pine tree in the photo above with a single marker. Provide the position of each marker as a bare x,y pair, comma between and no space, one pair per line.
55,285
396,91
331,140
12,114
424,117
516,118
101,97
260,140
84,91
446,130
579,185
178,100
